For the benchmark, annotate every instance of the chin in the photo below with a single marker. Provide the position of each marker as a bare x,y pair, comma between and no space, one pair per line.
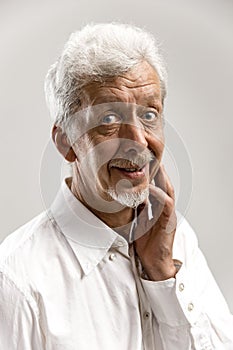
129,198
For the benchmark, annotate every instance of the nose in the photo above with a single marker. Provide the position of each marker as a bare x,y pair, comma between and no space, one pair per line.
134,138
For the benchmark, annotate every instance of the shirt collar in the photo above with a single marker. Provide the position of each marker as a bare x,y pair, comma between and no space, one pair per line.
89,237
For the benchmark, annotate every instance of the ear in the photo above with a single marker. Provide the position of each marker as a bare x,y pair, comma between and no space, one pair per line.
62,143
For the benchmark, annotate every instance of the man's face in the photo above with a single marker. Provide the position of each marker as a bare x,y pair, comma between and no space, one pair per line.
122,140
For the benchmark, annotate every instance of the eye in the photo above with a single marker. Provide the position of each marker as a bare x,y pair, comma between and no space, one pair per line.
149,116
110,119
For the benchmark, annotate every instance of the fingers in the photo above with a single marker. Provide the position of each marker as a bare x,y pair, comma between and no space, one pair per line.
165,196
163,181
169,187
162,199
160,180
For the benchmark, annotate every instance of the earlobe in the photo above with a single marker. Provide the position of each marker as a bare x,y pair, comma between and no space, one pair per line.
62,143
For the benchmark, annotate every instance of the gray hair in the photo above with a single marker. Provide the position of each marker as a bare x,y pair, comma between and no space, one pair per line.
94,53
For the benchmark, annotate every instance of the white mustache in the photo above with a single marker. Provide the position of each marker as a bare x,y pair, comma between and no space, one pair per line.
138,161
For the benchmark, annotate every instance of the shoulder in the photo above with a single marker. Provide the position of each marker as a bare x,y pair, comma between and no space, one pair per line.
24,236
28,254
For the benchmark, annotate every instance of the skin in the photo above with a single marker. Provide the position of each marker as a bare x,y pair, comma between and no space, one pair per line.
115,138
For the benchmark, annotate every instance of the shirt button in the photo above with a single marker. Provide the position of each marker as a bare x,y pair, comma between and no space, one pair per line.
146,315
190,306
120,243
181,287
112,256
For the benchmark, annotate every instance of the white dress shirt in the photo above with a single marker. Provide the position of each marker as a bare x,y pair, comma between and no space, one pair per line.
69,282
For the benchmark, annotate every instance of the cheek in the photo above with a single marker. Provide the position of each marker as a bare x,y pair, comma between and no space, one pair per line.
156,144
93,145
82,146
94,153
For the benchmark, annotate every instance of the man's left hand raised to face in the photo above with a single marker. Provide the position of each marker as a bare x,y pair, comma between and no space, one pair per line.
155,236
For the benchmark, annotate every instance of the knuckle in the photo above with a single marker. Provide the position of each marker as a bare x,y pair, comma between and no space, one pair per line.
172,191
170,203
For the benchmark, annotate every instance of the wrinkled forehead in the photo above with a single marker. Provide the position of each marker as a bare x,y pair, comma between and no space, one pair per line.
140,85
113,95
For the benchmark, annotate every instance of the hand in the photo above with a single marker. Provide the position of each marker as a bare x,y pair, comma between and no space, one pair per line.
154,247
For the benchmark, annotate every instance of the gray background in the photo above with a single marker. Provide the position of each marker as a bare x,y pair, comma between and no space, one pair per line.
197,42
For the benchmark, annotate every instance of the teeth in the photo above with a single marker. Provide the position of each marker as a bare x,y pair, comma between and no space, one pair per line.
130,170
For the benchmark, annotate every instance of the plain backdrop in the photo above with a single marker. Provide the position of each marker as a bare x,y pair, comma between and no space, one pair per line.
196,38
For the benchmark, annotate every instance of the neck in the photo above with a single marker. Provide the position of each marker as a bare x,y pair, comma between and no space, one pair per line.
120,221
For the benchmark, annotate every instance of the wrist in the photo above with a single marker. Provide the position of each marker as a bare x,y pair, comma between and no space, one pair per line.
158,274
161,272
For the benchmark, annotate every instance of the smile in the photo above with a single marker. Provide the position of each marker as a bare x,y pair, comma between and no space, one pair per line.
133,173
130,170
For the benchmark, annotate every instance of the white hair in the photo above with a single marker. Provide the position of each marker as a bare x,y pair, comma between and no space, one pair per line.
94,53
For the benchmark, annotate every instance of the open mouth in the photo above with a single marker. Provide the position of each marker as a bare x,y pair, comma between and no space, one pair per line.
128,170
131,171
134,164
134,168
125,165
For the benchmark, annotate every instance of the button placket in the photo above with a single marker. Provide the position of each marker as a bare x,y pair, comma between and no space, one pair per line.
181,287
190,307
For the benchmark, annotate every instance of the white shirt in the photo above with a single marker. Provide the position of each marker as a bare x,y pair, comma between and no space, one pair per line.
69,282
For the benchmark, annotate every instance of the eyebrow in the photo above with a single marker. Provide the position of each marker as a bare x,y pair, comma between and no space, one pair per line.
152,99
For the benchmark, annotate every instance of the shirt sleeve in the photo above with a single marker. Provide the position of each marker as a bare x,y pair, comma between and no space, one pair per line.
190,309
19,322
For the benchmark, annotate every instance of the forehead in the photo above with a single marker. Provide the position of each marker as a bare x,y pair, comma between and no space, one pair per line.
140,85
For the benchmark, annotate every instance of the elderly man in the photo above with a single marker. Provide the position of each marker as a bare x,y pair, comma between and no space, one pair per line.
107,266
